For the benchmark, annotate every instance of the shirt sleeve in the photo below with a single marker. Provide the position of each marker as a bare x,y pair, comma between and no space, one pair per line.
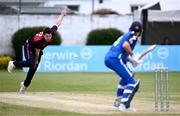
54,29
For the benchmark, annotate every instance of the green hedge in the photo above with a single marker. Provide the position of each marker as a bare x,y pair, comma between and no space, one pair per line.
103,36
105,11
4,60
19,38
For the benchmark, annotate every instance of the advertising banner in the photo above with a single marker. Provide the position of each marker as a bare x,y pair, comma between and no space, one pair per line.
91,59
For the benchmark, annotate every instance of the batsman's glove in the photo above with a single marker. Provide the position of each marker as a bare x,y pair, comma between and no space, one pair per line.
134,60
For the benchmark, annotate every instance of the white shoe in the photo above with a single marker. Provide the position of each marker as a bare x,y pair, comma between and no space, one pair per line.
11,66
117,102
124,109
22,89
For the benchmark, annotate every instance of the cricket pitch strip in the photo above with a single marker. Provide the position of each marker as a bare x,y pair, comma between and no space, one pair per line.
80,103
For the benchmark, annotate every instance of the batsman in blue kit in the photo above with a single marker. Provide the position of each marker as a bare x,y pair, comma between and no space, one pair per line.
116,59
33,50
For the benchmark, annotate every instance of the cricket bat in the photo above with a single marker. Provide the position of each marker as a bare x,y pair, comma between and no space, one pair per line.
149,49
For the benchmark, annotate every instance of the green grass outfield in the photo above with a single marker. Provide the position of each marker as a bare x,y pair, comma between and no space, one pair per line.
91,83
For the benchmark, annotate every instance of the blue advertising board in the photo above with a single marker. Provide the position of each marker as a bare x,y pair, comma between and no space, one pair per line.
91,59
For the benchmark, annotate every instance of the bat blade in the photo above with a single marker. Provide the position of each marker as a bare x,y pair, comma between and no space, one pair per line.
149,49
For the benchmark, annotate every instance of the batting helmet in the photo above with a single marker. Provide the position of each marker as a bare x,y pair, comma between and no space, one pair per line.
136,27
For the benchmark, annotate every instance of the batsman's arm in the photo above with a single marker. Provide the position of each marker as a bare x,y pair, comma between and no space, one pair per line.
60,18
126,46
128,49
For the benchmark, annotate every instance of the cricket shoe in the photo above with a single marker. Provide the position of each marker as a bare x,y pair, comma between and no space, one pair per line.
117,102
11,66
122,108
22,88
